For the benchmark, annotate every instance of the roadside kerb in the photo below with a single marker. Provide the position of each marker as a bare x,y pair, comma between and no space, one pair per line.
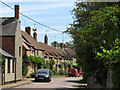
19,83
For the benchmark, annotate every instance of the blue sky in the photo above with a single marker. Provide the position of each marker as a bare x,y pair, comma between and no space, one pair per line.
53,13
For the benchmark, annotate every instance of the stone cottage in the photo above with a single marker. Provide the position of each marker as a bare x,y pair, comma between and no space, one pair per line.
11,40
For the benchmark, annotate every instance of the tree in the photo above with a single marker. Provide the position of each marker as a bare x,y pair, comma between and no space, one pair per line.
93,29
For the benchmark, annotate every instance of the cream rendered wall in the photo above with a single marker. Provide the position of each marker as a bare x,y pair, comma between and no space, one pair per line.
18,43
30,70
9,76
74,61
35,53
28,53
40,54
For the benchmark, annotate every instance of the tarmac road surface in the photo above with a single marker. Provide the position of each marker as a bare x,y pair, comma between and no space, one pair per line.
56,82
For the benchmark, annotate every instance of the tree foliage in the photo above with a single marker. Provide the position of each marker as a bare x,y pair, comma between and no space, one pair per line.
95,31
52,63
2,62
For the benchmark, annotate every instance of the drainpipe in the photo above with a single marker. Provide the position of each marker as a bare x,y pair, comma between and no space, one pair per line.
15,70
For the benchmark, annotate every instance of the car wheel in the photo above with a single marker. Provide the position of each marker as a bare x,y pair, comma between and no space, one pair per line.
49,80
75,75
36,79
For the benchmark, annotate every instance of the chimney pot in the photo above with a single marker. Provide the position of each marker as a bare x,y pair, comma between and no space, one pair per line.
35,36
61,45
55,44
72,48
28,30
64,46
46,39
16,7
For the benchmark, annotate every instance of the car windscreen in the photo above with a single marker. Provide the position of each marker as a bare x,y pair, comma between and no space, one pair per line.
43,72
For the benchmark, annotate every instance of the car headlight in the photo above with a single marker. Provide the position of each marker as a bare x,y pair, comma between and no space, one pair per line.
46,75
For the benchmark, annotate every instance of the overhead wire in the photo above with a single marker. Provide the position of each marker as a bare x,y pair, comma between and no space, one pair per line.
35,21
32,19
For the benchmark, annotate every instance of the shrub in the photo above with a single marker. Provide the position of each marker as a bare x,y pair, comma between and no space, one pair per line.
24,69
52,63
61,72
32,75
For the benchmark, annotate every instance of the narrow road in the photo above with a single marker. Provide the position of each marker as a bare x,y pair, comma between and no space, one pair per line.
56,82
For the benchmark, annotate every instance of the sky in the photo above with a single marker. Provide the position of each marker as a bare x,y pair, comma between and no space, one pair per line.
53,13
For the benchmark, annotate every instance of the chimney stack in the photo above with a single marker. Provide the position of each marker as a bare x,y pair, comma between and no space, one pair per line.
61,45
46,39
72,48
55,44
35,36
16,7
28,30
64,46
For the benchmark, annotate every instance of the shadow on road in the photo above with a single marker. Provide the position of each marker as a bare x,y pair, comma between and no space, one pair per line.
74,81
41,81
80,85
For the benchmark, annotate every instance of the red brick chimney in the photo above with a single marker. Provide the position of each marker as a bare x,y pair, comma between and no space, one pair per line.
16,7
35,36
55,44
64,46
28,30
61,45
46,39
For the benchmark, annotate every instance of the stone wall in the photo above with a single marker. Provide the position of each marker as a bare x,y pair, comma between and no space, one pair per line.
18,52
91,81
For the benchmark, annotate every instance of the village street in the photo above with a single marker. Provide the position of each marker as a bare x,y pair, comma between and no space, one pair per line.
56,82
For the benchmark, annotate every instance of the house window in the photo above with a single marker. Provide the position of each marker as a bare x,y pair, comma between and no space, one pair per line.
19,51
37,52
13,66
42,54
8,65
59,66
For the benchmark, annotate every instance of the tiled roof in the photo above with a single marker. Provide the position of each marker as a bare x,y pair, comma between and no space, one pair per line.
51,50
70,51
67,56
28,38
6,53
25,46
9,26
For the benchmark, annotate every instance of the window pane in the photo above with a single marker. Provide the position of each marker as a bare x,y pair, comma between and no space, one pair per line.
13,63
19,51
8,65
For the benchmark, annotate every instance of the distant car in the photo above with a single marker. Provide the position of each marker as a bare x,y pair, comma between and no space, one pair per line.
73,72
43,74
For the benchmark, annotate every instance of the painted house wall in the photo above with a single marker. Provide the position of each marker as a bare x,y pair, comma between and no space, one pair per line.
18,43
74,61
9,76
30,68
41,54
29,53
